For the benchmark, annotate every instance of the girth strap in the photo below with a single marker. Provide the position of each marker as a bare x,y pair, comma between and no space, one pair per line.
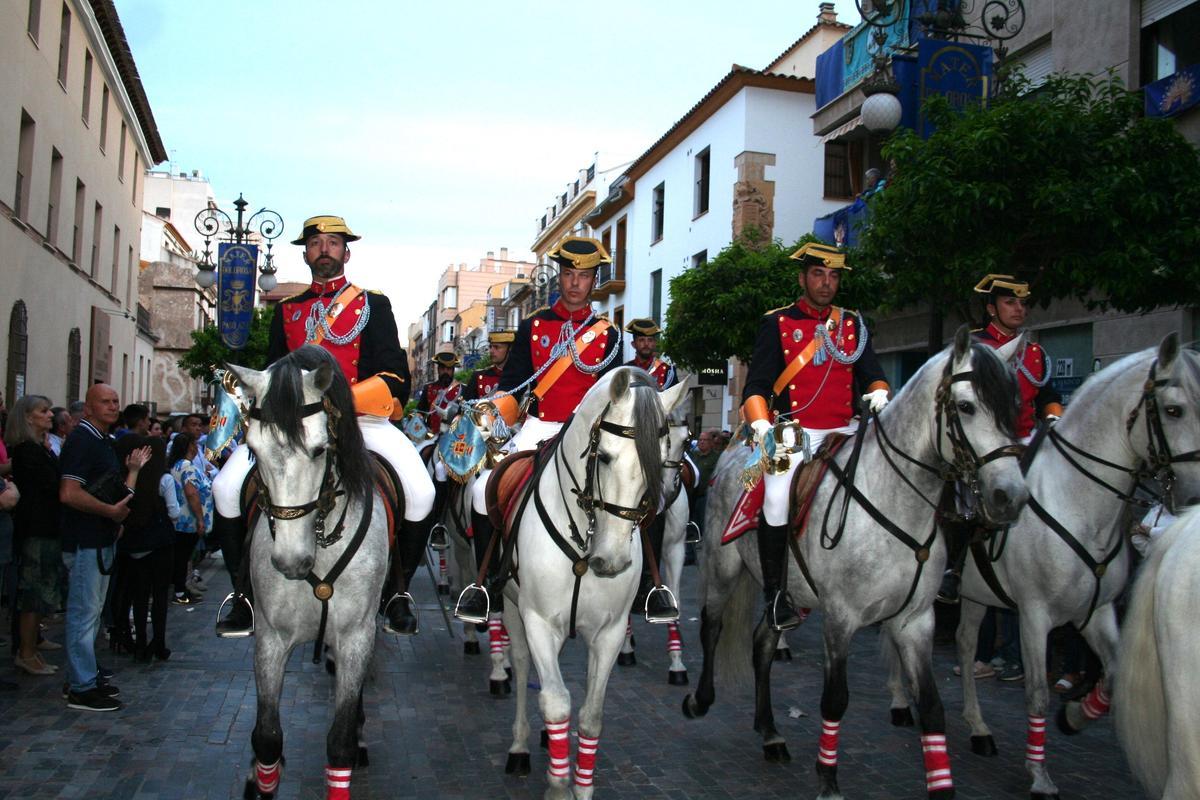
1098,568
323,587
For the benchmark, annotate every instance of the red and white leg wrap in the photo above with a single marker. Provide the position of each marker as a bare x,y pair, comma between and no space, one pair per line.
504,636
827,745
585,760
495,637
1095,705
442,571
266,777
1035,739
337,783
937,762
629,626
674,640
560,748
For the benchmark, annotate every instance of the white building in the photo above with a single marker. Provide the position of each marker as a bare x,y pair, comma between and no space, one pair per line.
742,156
76,133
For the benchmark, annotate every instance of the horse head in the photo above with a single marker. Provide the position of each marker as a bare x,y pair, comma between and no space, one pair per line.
678,436
977,412
308,450
1167,437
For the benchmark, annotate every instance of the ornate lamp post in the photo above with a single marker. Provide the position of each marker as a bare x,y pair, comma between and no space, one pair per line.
237,261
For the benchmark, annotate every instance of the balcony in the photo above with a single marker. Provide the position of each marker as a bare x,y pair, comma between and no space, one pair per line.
610,279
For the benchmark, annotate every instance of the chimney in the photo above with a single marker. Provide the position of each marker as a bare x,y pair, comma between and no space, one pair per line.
827,15
504,254
491,255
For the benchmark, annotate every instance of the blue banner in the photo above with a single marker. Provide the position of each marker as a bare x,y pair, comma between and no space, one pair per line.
1174,93
962,73
829,74
237,264
844,226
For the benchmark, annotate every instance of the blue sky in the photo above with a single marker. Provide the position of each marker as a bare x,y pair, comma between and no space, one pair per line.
440,131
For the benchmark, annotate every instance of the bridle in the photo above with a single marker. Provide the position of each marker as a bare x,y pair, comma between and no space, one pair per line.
677,466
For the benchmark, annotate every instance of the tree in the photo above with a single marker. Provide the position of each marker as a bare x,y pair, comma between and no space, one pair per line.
1067,186
716,306
208,353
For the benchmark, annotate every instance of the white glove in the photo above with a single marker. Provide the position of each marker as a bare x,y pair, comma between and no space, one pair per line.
877,399
761,428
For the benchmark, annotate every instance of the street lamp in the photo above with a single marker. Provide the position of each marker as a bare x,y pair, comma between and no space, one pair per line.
212,222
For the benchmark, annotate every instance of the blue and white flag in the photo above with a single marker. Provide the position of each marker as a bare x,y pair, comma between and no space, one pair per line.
462,448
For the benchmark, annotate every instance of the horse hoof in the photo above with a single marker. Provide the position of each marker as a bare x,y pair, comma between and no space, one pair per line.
251,792
983,745
363,759
942,794
626,660
677,677
499,688
517,764
545,740
1064,722
692,709
902,717
777,753
1043,796
783,654
471,648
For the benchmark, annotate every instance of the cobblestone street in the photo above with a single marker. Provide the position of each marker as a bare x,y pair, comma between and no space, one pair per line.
434,731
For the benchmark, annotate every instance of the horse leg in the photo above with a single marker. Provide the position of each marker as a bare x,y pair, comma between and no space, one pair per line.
774,747
342,742
270,657
545,641
914,643
901,712
835,696
626,656
676,671
1102,636
464,560
443,581
972,615
1035,627
498,681
673,555
601,658
363,760
697,705
518,752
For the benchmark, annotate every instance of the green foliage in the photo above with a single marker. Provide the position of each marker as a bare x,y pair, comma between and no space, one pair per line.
716,306
1066,186
208,353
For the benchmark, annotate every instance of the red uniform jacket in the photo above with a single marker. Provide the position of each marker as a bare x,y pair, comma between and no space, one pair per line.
1035,401
428,403
660,369
482,383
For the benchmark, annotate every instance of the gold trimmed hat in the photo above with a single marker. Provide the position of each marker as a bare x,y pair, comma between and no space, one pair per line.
325,223
1003,286
445,359
816,254
643,327
502,337
579,252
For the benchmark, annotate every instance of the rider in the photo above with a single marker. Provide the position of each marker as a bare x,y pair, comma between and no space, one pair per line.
808,359
484,381
439,402
358,328
560,376
1006,304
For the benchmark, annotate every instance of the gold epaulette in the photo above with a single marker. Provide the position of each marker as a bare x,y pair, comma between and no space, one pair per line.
293,297
777,310
539,310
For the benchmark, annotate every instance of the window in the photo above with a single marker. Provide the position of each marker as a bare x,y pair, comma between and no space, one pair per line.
137,171
121,154
700,203
56,168
162,212
18,350
64,46
87,86
24,166
447,332
116,260
449,297
104,118
33,26
699,258
837,170
74,359
656,222
656,296
1170,44
77,231
619,256
129,298
97,220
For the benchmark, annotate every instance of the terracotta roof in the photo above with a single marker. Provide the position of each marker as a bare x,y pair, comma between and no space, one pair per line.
839,25
114,37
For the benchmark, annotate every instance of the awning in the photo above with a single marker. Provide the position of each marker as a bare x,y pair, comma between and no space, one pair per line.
842,130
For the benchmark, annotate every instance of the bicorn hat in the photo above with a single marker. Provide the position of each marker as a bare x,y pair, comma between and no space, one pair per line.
579,252
325,223
816,254
1003,286
445,359
502,337
643,327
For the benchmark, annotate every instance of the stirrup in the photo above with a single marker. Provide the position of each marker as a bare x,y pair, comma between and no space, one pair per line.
241,634
691,534
438,540
774,610
412,606
465,616
670,598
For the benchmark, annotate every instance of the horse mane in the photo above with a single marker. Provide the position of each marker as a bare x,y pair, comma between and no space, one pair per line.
281,407
995,385
648,420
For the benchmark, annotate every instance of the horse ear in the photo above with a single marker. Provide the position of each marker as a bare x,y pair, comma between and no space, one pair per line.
620,383
671,398
252,381
1008,352
962,346
321,378
1168,350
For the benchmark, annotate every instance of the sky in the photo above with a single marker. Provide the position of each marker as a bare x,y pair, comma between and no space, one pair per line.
440,131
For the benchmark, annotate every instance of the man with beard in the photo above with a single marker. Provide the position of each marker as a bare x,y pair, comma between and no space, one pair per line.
357,327
645,347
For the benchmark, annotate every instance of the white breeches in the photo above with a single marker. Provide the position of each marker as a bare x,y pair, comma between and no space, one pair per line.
533,430
381,438
777,488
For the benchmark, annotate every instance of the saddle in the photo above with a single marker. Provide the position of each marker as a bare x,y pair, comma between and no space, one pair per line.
507,484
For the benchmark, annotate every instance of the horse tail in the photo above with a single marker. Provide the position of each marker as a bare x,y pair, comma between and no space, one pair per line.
1140,702
732,659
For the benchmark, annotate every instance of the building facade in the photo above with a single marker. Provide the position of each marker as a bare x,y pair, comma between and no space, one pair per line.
76,134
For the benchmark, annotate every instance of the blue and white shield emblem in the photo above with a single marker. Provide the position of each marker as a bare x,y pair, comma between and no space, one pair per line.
414,427
225,425
462,448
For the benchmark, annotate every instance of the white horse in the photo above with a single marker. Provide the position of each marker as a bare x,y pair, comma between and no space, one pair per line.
320,550
1063,560
676,514
576,554
1156,714
871,551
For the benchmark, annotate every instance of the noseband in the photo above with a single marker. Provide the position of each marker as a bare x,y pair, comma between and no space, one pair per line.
965,462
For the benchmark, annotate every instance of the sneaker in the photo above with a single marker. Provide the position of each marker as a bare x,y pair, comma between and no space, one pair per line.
92,700
106,689
981,670
1067,682
1011,672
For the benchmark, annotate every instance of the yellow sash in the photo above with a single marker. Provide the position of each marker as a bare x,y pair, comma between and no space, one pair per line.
560,366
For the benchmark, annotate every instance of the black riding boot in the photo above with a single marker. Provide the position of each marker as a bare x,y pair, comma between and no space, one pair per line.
400,612
235,549
476,601
437,536
958,534
656,602
772,555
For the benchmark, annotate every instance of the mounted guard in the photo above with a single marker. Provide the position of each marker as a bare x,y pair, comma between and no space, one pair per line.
439,403
645,347
358,329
